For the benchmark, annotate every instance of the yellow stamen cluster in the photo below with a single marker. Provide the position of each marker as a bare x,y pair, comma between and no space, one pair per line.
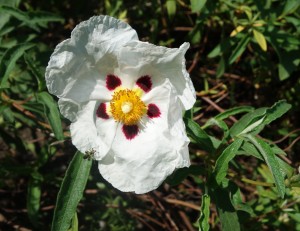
127,107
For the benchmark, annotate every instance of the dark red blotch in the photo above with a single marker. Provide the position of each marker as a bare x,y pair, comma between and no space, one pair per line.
112,82
153,111
130,131
145,83
101,111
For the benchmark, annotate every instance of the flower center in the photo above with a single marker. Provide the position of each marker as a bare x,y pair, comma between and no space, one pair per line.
127,107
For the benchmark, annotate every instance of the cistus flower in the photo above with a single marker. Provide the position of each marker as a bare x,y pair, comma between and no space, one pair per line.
125,100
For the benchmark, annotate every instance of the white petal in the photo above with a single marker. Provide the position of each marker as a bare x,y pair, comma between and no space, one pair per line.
140,58
69,108
143,163
85,131
78,67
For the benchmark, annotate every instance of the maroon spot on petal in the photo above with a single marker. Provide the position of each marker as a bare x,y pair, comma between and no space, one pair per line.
144,83
101,111
153,111
130,131
112,82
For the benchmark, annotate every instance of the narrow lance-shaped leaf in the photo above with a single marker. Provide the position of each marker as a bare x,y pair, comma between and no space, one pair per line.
33,20
74,224
226,211
260,39
247,120
36,72
253,126
42,18
273,113
234,111
276,111
271,161
71,192
204,213
171,8
249,149
221,67
240,48
199,135
52,113
8,61
237,199
18,14
238,29
290,6
222,162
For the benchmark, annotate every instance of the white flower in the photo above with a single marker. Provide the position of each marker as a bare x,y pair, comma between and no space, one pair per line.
125,100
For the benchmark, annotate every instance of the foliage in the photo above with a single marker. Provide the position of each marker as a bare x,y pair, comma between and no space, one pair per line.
243,174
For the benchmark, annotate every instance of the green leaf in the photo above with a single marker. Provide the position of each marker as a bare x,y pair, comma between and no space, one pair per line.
254,126
237,199
34,20
250,149
260,39
254,122
270,159
288,171
194,36
233,111
272,113
222,162
171,8
199,135
42,18
276,111
8,61
4,17
14,3
239,49
288,55
204,213
35,107
247,120
18,14
221,67
74,225
36,72
52,113
227,213
71,192
290,7
197,5
33,198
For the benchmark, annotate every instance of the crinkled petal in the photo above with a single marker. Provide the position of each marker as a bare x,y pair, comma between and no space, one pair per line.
89,132
143,163
78,67
138,59
69,108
